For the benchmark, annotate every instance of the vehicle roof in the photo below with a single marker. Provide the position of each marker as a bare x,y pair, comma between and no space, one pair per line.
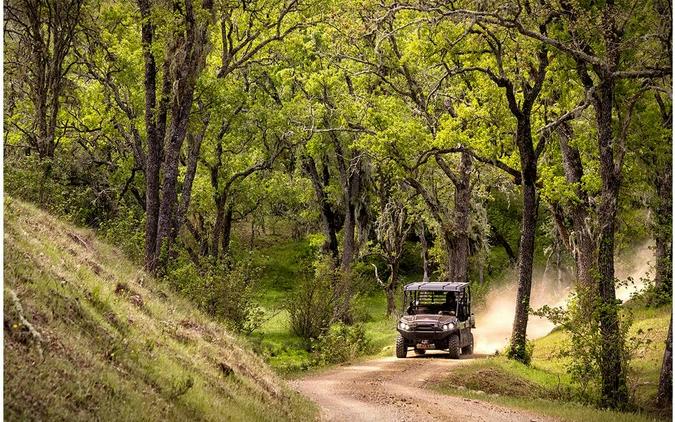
439,286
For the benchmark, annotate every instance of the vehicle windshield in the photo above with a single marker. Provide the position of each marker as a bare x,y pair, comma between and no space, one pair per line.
431,302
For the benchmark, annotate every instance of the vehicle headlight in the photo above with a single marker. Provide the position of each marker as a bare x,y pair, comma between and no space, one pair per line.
448,327
403,326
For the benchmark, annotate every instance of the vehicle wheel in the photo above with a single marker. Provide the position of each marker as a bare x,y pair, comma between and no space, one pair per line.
468,349
453,346
419,351
401,348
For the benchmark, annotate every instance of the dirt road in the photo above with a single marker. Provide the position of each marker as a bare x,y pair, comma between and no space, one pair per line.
390,389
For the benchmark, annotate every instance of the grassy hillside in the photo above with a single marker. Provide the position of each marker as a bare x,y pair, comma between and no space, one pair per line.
545,386
89,336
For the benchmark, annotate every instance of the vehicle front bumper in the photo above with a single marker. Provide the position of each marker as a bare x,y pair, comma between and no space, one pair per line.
433,336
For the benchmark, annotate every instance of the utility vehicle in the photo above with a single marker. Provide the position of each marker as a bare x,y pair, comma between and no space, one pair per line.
437,315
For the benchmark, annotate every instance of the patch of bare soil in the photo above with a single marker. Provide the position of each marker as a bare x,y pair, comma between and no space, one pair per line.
390,389
494,381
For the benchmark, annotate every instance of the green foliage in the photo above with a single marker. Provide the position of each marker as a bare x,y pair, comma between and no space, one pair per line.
223,289
340,343
520,354
651,296
311,307
127,231
583,351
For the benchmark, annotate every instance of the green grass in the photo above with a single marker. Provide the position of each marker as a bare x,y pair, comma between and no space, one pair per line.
283,262
547,388
113,343
568,412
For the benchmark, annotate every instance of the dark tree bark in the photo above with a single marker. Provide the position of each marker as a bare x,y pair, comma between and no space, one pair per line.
665,392
581,241
614,390
458,239
662,227
153,156
328,215
528,162
188,62
390,289
663,278
350,170
185,57
424,252
41,34
227,230
219,225
191,171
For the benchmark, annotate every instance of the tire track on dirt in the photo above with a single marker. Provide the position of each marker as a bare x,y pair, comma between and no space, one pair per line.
390,389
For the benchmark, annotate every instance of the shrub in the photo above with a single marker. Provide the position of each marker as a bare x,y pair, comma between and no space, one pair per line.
311,306
651,296
127,231
524,356
340,343
583,350
223,289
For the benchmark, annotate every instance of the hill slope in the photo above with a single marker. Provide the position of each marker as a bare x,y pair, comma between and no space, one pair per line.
89,336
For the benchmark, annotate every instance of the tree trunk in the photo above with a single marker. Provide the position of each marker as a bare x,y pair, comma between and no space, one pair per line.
187,63
390,289
363,226
583,245
665,393
219,225
153,157
349,239
462,213
186,190
528,161
614,390
425,250
180,114
663,278
329,226
227,230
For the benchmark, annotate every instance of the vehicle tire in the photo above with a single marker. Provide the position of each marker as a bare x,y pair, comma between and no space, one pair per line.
401,347
419,351
468,349
453,346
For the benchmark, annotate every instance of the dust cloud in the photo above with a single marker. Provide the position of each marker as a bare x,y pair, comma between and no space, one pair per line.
550,287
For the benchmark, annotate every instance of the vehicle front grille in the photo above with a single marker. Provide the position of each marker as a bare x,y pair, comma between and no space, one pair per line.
425,327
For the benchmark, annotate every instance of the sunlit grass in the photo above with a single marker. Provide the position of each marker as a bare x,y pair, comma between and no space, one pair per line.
103,356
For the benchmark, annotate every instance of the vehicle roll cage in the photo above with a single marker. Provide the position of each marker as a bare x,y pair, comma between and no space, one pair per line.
435,297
